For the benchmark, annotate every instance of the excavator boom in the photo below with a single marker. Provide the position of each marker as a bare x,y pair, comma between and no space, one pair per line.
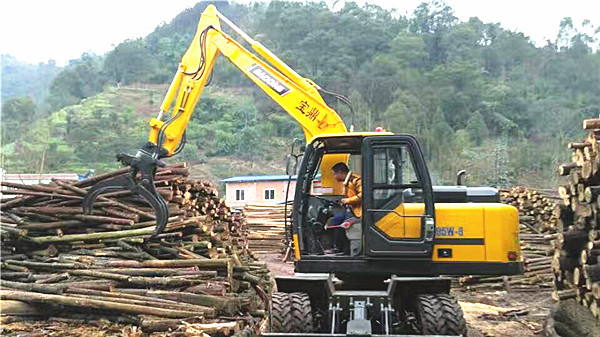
298,96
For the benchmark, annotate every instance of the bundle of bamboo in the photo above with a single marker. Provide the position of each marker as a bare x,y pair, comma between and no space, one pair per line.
537,229
198,275
266,225
575,262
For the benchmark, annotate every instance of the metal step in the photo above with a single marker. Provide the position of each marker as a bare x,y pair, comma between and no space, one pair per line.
360,293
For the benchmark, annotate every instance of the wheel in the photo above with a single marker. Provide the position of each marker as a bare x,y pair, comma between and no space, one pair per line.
291,312
302,318
440,314
281,312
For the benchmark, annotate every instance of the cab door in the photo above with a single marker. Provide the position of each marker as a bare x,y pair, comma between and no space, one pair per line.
397,198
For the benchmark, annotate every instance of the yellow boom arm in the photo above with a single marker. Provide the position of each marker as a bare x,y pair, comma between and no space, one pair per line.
298,96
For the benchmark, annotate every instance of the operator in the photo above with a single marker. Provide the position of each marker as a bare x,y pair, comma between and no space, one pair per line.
353,203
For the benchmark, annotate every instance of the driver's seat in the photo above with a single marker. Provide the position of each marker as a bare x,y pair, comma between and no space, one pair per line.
354,235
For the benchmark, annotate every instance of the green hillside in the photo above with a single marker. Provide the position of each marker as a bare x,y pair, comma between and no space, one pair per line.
476,95
22,79
89,135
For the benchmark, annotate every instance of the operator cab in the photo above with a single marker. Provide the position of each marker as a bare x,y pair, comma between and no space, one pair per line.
397,199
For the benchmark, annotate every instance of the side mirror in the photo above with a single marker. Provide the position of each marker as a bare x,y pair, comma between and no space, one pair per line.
291,164
460,176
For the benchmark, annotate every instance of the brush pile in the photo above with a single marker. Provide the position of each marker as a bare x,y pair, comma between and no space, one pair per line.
197,277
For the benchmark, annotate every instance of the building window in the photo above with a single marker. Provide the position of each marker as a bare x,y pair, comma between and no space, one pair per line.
239,194
270,194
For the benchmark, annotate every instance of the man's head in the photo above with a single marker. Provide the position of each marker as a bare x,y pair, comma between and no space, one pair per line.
340,171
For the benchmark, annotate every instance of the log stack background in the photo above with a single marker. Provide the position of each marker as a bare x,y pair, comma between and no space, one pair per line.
537,229
266,227
575,261
198,276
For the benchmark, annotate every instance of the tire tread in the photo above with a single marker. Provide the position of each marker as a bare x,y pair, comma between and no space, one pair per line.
440,314
291,312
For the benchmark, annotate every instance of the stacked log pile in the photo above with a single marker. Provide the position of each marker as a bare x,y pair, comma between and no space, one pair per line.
537,229
575,262
266,226
536,208
197,276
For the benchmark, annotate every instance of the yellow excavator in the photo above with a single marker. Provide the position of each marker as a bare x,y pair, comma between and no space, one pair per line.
388,279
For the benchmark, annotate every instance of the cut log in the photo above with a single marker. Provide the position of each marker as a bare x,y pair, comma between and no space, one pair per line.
591,124
94,304
108,264
561,295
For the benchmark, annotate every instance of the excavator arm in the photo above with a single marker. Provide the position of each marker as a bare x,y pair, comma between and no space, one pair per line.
298,96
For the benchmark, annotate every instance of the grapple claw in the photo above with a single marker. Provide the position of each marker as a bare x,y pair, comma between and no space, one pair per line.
142,186
122,182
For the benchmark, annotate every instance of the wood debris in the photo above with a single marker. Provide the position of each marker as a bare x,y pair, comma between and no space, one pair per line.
266,226
575,261
198,276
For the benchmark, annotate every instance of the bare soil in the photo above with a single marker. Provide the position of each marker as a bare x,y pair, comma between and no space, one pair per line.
489,322
67,329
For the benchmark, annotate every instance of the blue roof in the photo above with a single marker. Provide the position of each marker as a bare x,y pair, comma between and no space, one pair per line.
240,179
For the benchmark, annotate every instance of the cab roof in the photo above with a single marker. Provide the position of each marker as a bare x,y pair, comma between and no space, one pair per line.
350,134
349,142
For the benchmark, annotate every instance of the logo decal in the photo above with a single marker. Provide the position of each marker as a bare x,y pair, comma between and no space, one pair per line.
449,231
267,79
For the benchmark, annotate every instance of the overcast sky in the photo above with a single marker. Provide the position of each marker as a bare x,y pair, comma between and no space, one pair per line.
38,30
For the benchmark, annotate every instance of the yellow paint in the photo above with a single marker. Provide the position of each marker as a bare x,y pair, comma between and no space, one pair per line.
396,226
496,224
469,216
296,247
464,253
327,179
502,229
301,101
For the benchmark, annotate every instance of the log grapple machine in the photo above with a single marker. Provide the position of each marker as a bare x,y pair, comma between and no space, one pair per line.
391,278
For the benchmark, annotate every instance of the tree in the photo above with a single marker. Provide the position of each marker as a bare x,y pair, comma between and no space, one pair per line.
23,79
129,62
472,92
476,128
82,78
433,20
17,114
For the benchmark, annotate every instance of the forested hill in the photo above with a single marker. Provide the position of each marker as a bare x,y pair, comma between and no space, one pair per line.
477,96
20,79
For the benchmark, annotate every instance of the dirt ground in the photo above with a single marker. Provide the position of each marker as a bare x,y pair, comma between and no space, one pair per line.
54,327
483,309
484,322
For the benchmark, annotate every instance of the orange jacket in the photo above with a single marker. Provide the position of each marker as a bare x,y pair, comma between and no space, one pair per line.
353,184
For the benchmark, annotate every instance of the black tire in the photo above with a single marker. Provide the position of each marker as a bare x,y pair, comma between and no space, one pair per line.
302,319
440,314
291,313
281,312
